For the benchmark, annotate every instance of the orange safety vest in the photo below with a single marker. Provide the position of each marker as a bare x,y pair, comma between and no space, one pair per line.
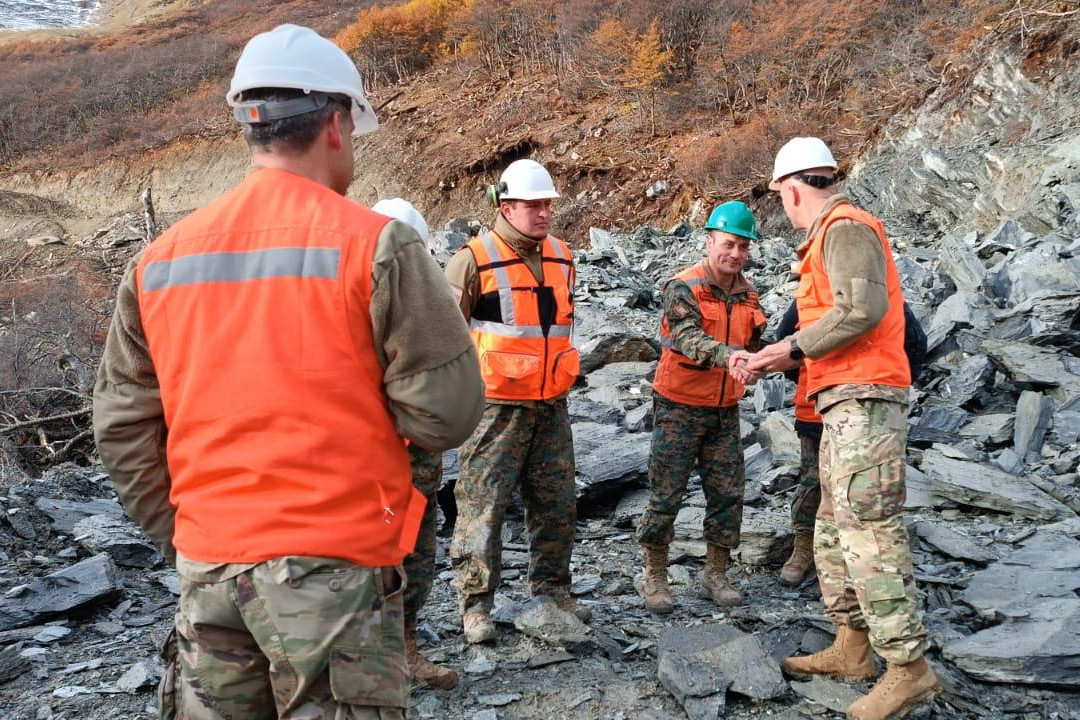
280,438
732,323
522,328
876,358
805,409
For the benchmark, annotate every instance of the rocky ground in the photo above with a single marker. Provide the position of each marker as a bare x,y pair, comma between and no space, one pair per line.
979,190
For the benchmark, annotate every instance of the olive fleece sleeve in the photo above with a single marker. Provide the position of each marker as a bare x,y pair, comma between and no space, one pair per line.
129,420
464,279
855,263
431,373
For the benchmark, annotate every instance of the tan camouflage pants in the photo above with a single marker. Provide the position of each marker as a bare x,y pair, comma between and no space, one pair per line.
860,543
298,638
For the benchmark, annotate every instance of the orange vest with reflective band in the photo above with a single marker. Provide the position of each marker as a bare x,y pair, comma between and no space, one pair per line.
522,328
732,323
280,438
876,358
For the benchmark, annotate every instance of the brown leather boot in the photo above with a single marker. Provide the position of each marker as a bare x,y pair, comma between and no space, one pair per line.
478,627
423,670
848,658
801,560
714,576
565,601
900,690
654,583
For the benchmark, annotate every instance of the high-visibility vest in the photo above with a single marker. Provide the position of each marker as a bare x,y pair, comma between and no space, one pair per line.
732,323
805,408
522,328
876,358
280,438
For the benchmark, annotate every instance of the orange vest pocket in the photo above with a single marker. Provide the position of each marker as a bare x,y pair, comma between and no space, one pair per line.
565,369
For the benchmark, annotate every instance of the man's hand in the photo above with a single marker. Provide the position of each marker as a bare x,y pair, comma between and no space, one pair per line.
774,358
737,368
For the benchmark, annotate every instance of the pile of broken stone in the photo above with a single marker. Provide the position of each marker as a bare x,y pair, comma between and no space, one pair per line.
993,496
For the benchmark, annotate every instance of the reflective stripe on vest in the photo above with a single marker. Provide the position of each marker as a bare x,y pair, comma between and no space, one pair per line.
281,442
876,358
732,323
522,357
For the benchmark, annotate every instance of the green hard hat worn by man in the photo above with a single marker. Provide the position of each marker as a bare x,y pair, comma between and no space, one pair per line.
733,217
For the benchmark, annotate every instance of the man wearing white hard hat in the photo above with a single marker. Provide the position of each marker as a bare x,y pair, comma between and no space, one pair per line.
850,338
427,471
267,356
515,285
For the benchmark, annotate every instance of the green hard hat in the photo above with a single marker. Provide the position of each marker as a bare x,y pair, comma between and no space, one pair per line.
735,218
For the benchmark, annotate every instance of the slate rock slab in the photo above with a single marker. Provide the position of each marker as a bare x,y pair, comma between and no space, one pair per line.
608,458
91,581
1047,565
1041,648
766,537
777,433
978,484
65,513
119,538
541,618
1034,411
1041,366
833,695
952,543
618,347
995,428
918,489
703,661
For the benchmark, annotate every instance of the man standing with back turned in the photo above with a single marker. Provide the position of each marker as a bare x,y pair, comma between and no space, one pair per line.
267,355
515,285
851,334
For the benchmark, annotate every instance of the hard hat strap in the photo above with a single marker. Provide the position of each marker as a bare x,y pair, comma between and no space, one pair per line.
264,111
816,181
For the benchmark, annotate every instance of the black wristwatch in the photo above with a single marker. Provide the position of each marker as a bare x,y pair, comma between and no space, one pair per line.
796,351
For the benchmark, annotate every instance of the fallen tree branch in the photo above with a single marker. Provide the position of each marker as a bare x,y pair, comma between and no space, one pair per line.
41,421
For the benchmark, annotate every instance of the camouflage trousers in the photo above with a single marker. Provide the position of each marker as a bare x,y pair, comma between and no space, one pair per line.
860,542
420,565
684,436
807,496
300,638
531,449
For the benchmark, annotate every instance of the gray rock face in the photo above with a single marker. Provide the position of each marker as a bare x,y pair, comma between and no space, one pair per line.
1066,429
961,264
967,380
962,309
766,537
1040,648
65,513
1041,366
607,458
777,433
1034,412
119,538
952,543
1046,566
85,583
972,483
995,428
616,348
541,618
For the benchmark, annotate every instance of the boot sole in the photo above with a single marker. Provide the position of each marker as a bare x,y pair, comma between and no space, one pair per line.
834,676
665,610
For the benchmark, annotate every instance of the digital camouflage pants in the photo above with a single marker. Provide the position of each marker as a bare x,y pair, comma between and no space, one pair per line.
298,638
860,543
531,449
807,496
420,565
684,436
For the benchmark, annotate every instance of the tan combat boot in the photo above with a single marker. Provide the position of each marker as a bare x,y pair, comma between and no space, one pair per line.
801,560
900,689
424,671
848,658
654,584
714,576
565,601
478,627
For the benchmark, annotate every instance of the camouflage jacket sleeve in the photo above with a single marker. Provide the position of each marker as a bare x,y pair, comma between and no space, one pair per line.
129,420
687,334
432,376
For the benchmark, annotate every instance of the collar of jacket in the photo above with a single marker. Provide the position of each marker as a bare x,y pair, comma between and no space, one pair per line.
740,285
827,208
523,245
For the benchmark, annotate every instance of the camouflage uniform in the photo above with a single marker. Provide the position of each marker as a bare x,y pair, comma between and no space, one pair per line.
860,543
293,637
807,497
683,436
531,448
420,565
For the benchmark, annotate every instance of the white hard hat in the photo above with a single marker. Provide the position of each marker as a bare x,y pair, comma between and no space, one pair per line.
403,210
298,58
801,153
526,180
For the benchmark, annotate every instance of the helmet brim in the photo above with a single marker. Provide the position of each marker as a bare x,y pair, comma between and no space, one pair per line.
538,195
